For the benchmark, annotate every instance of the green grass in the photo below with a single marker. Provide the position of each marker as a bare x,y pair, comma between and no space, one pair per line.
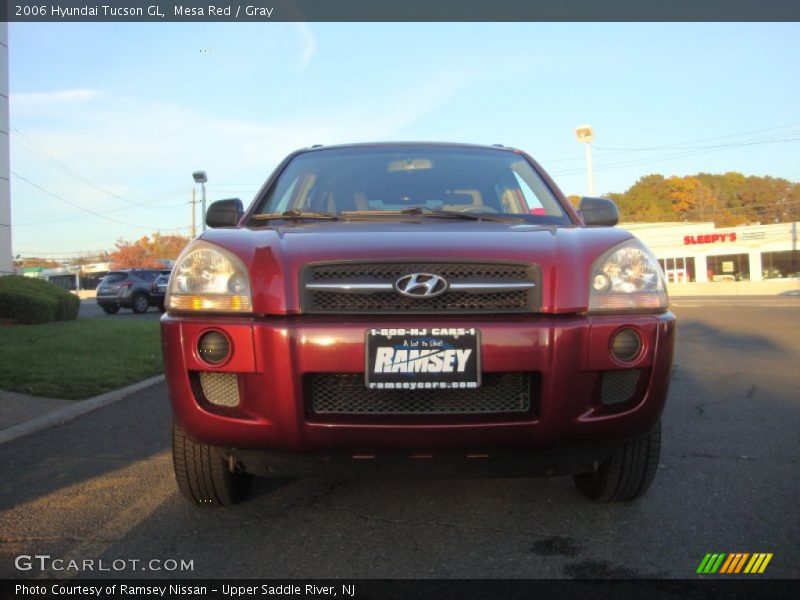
78,359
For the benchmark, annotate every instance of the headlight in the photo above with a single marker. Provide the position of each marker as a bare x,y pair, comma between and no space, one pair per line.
209,279
627,277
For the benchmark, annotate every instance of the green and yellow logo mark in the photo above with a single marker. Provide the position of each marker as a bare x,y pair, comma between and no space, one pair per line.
741,562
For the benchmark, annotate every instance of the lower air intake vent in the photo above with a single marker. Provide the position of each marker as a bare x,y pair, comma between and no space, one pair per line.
619,386
346,394
221,389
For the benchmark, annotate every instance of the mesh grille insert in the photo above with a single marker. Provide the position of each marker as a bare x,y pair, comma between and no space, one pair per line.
346,394
392,271
393,302
221,389
619,386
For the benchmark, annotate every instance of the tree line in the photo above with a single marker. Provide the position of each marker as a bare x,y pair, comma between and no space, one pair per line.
727,199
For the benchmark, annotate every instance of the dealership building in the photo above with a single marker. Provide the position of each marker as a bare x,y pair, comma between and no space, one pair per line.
701,252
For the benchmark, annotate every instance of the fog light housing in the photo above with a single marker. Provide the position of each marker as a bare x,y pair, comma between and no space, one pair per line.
626,345
213,347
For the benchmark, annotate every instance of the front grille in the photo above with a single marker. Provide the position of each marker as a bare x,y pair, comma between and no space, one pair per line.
346,394
382,301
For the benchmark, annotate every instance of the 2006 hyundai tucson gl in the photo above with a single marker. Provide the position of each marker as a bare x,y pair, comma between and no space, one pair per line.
422,308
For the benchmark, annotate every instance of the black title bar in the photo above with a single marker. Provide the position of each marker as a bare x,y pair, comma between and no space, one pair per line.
404,10
389,589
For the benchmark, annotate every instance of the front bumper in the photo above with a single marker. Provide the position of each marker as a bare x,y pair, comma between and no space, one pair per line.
271,356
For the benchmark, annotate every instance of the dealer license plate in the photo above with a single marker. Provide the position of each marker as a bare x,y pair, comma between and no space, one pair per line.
423,358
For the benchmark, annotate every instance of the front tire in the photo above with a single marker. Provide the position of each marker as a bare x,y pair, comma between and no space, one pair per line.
140,304
628,474
110,309
203,475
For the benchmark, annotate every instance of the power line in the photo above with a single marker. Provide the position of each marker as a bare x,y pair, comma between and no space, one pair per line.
32,147
118,208
643,161
791,131
35,254
79,207
769,140
678,144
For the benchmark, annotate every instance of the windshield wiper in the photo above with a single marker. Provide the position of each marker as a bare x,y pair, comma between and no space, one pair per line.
453,214
294,214
428,212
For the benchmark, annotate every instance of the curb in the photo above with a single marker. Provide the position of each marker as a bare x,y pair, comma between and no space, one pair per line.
81,407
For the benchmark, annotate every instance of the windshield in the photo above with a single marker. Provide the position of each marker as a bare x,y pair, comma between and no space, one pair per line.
371,180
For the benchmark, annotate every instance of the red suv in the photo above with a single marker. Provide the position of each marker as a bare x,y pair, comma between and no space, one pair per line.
415,308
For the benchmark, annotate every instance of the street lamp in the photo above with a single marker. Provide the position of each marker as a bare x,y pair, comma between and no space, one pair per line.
585,135
201,178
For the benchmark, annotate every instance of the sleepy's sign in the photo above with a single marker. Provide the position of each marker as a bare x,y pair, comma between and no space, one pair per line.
710,238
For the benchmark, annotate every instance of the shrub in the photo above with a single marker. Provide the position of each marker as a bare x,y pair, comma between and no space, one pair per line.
30,300
26,307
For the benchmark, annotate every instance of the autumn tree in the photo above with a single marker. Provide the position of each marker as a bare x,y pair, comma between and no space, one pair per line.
727,199
146,252
646,200
691,199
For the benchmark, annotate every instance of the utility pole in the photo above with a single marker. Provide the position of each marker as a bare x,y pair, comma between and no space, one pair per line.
193,202
201,178
585,135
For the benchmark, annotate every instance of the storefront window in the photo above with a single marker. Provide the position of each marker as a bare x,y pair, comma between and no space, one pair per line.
729,267
678,270
780,264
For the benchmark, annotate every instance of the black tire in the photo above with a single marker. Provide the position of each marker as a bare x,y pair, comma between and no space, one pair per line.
110,309
162,308
203,475
140,303
628,474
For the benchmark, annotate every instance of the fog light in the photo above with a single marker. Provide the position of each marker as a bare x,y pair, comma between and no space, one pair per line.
213,347
626,345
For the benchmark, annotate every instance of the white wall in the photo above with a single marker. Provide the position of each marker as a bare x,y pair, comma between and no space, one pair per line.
6,263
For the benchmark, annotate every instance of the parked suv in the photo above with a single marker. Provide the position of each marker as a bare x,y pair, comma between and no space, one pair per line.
415,308
158,289
128,289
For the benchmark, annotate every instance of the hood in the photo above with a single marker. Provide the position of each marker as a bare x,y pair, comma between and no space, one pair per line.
275,255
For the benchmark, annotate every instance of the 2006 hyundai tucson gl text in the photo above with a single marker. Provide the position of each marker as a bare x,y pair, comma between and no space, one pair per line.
415,309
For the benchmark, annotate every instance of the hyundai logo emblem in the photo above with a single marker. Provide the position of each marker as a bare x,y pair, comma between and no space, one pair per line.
421,285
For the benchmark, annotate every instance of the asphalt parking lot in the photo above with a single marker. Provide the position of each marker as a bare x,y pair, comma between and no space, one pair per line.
90,310
102,487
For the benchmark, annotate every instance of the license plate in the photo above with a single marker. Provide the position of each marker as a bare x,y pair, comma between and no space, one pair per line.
422,358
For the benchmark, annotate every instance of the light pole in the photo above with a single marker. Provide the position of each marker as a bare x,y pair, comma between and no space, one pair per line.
585,135
201,178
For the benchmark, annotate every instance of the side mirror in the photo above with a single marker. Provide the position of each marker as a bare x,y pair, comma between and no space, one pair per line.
224,213
599,212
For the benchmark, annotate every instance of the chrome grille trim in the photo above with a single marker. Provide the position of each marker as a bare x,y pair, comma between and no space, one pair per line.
473,287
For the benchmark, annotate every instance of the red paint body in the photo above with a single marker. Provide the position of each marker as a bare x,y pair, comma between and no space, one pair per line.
273,349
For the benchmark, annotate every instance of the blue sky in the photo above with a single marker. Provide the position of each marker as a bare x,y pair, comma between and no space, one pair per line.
114,118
